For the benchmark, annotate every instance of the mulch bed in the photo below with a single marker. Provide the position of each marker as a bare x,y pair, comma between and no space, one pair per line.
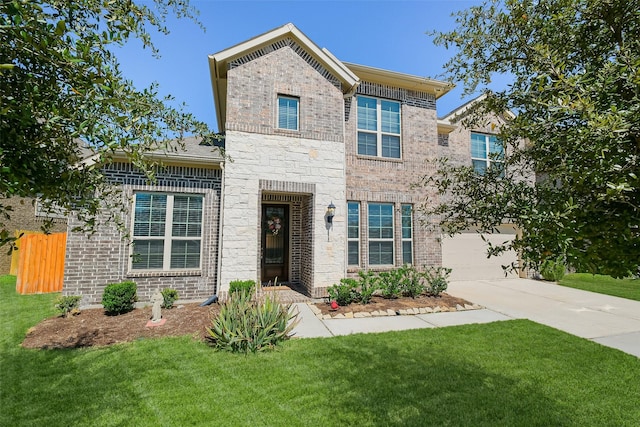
93,328
445,301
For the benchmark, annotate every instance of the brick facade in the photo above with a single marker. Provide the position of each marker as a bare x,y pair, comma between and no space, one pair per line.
305,169
96,260
376,179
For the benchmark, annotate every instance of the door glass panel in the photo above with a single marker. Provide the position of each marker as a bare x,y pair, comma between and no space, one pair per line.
274,239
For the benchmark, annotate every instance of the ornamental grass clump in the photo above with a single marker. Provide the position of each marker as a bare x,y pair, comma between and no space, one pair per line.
248,324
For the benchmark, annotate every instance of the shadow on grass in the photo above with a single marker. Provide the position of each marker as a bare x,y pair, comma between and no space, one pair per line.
388,385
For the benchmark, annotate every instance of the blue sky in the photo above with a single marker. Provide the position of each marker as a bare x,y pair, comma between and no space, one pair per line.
383,34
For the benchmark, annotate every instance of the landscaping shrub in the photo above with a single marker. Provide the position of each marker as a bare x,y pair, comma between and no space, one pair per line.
169,296
345,292
553,269
68,305
437,278
412,282
119,298
368,284
246,286
390,283
245,324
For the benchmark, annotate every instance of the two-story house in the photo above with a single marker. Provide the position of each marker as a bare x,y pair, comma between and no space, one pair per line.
317,183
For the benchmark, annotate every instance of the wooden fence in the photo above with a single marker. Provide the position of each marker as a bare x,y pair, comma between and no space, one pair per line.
41,263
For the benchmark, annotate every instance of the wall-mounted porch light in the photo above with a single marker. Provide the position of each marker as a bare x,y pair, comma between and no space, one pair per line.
331,212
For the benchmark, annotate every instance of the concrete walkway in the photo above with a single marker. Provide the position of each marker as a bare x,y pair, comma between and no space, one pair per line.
610,321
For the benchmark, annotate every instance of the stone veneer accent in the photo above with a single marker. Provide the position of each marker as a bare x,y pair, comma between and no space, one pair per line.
304,168
92,262
311,179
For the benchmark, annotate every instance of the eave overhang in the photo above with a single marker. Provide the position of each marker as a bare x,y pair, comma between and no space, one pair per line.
401,80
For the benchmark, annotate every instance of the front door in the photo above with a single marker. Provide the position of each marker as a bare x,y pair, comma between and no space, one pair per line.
275,243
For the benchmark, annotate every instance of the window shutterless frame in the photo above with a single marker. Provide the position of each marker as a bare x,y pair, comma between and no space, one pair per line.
288,112
486,151
353,233
407,234
166,232
379,127
381,234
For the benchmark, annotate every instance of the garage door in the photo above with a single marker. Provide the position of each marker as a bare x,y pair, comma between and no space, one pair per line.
466,255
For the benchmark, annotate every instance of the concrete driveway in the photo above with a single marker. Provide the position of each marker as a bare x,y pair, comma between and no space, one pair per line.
610,321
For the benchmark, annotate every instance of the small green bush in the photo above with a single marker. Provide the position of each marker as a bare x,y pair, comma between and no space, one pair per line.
246,286
120,297
68,305
368,283
412,282
245,324
169,296
437,279
390,283
345,292
553,269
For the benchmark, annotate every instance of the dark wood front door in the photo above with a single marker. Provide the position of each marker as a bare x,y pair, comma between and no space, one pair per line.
275,243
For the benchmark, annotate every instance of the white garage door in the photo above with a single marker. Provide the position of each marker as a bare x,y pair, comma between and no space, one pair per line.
466,255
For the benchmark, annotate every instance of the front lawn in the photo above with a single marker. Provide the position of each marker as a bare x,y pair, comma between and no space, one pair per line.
623,288
504,373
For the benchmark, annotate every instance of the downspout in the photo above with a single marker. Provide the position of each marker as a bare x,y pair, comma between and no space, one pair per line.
220,230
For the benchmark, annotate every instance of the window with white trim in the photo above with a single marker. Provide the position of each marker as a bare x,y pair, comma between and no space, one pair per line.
487,151
381,234
167,231
378,127
353,233
288,112
407,234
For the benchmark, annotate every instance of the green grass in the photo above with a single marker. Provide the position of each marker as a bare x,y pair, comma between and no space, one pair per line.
624,288
505,373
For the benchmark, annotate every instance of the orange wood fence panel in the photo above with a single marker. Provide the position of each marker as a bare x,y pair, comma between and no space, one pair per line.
41,263
15,257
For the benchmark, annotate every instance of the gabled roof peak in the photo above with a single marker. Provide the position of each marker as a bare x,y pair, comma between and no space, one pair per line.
219,62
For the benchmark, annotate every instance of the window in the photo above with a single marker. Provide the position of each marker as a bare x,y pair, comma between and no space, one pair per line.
288,112
486,152
167,231
378,127
353,233
381,234
407,234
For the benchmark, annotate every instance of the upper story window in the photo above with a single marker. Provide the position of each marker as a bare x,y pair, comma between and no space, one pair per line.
378,127
167,231
288,112
486,151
